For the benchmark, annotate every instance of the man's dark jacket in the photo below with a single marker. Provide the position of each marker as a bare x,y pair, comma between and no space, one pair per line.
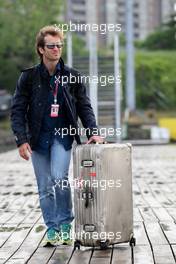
30,99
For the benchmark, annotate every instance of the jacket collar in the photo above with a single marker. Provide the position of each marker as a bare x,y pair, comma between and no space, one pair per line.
44,71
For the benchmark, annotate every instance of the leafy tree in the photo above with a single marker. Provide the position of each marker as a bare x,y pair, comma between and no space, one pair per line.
164,38
20,20
155,79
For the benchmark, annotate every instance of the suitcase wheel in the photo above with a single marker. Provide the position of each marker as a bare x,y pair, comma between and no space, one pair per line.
104,244
133,242
76,245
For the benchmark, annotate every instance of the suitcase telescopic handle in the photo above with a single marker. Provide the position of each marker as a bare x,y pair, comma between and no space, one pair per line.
88,195
87,199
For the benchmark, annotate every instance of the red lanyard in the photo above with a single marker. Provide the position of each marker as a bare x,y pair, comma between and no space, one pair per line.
55,92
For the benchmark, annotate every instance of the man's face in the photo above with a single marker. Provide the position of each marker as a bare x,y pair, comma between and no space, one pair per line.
49,52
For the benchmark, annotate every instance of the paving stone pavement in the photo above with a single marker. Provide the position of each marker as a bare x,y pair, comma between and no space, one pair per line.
154,198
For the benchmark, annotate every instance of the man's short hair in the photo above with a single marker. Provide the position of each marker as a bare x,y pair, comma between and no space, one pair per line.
47,30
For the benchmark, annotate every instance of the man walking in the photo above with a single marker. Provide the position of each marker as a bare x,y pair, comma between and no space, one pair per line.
41,106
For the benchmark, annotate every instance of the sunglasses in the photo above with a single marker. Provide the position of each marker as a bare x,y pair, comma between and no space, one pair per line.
52,46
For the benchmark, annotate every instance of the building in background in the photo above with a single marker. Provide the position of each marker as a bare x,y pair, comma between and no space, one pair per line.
148,15
168,7
77,12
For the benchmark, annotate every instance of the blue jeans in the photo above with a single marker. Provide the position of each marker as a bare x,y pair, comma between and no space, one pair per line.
51,172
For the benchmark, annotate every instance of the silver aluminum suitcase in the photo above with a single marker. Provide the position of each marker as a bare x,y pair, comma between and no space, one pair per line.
103,195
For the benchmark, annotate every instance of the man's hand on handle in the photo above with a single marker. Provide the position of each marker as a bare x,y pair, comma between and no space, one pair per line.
25,150
96,139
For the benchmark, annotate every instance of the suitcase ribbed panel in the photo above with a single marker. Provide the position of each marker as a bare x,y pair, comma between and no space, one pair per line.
111,209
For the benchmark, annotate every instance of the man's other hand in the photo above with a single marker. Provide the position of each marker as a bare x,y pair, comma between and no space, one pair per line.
96,139
24,149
